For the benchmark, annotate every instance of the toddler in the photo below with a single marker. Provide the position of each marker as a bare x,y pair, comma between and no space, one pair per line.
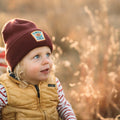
30,90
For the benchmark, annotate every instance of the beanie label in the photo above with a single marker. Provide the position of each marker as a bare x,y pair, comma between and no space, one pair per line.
38,35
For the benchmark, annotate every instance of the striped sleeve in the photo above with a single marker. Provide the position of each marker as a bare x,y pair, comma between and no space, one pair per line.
64,108
3,96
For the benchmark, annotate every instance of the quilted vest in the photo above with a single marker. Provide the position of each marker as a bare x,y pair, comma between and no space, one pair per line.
30,103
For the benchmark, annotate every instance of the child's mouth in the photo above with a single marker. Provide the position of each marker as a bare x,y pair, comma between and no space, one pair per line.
45,71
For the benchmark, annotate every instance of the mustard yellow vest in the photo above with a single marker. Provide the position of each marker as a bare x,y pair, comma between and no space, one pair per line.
27,103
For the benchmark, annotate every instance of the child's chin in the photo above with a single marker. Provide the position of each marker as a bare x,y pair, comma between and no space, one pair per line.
44,79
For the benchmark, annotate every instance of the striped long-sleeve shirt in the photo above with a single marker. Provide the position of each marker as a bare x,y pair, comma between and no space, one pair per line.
64,108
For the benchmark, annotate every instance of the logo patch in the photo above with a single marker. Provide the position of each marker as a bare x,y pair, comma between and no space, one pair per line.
38,35
51,85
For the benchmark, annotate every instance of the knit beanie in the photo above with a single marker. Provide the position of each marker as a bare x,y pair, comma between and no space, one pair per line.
20,37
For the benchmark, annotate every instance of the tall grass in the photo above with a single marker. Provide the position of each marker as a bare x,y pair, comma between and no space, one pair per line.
94,87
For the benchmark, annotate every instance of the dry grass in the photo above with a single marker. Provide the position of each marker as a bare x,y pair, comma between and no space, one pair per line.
94,87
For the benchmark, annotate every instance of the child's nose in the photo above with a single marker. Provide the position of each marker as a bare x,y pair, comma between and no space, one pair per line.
45,60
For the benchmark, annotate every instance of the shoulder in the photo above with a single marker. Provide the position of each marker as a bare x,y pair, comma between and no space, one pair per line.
58,82
3,76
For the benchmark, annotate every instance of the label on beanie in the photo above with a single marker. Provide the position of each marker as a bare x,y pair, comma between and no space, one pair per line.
38,35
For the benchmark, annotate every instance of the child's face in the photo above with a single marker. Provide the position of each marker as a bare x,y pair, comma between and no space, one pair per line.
37,65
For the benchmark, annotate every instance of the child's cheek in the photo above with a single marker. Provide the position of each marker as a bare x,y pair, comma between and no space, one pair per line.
34,69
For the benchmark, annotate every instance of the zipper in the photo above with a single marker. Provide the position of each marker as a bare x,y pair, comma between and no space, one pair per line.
38,92
44,114
38,95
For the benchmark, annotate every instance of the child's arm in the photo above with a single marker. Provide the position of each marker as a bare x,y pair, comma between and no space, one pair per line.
64,108
3,97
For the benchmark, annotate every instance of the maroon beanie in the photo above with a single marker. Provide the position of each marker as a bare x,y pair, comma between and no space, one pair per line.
20,37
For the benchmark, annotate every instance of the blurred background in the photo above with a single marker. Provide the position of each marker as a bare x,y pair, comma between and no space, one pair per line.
86,37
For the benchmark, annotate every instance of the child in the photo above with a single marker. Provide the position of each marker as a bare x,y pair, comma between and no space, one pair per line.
30,91
3,65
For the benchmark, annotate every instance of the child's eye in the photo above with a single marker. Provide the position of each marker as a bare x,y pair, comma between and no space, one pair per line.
48,54
36,57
